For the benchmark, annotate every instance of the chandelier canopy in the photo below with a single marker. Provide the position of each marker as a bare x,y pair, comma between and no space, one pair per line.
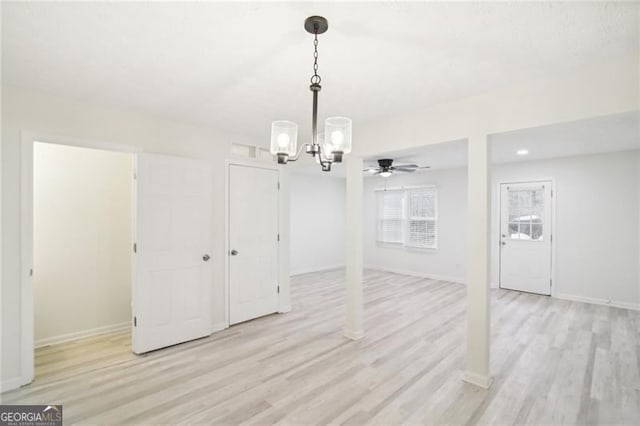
336,141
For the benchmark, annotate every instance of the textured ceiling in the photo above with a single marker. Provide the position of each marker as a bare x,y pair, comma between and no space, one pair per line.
238,66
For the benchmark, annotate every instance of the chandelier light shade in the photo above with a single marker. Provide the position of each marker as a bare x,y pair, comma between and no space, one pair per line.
284,138
337,140
337,136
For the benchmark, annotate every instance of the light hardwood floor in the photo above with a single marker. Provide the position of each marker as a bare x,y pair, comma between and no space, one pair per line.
553,362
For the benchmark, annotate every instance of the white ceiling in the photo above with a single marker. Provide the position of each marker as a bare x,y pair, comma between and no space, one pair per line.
620,132
238,66
614,133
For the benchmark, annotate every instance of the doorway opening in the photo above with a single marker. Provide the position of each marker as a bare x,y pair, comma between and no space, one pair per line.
82,256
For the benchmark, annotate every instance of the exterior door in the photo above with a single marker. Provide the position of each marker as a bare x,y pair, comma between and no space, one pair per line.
173,279
525,237
253,242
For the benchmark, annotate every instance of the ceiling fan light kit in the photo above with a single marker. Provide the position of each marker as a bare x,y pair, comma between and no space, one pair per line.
337,130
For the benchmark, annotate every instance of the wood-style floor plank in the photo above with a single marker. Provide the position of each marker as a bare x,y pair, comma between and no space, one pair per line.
553,362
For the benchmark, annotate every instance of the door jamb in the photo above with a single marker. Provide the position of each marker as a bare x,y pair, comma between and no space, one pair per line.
553,225
27,345
282,197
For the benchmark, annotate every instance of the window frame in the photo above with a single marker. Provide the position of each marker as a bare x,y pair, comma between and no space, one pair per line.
406,192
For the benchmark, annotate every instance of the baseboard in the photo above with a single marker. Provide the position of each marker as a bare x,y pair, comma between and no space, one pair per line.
457,280
11,384
353,334
284,309
82,334
477,379
218,327
597,301
316,269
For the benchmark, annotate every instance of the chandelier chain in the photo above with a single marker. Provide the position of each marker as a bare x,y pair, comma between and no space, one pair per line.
315,78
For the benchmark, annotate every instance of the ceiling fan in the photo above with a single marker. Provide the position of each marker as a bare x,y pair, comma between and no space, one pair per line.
385,168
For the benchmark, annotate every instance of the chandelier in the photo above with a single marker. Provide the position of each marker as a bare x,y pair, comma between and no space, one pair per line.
336,141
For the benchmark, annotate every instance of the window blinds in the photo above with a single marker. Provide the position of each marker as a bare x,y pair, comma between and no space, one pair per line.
421,220
391,217
408,217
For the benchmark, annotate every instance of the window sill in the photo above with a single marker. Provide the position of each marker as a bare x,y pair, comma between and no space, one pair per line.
382,244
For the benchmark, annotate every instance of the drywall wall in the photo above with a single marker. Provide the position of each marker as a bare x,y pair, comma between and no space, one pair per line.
317,215
82,247
448,260
40,113
596,235
596,232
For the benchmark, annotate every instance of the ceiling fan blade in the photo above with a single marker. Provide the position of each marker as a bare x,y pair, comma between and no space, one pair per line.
414,166
404,169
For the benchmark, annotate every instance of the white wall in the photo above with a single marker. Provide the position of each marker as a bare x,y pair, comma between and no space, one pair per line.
82,220
317,209
596,236
448,261
51,115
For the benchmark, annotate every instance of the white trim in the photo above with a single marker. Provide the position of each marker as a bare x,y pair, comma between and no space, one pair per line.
77,335
553,226
26,238
259,164
284,309
317,269
408,187
353,334
219,326
598,301
477,379
457,280
11,384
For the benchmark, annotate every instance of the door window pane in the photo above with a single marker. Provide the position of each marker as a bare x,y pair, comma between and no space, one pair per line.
525,213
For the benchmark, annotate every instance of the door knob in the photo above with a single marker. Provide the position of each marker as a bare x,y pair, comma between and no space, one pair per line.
503,243
206,257
234,252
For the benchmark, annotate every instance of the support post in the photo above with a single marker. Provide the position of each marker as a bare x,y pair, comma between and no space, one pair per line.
478,281
353,240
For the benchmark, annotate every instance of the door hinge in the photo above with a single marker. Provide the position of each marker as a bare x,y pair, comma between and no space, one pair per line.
550,283
135,175
135,321
278,289
278,237
30,272
278,185
135,247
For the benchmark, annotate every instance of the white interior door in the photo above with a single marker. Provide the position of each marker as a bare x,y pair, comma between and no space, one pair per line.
525,237
173,278
253,242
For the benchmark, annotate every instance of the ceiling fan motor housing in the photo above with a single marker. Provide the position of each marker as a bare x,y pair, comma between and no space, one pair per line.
385,163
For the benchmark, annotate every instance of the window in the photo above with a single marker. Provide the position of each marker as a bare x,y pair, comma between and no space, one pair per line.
408,217
525,214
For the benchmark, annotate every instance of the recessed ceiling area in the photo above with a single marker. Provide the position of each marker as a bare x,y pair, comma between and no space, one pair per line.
237,66
620,132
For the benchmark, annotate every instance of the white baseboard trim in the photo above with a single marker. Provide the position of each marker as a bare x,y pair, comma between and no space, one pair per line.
458,280
597,301
82,334
284,309
11,384
479,380
218,327
353,334
316,269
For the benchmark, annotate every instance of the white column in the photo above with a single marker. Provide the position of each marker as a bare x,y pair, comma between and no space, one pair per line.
284,297
353,239
478,287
